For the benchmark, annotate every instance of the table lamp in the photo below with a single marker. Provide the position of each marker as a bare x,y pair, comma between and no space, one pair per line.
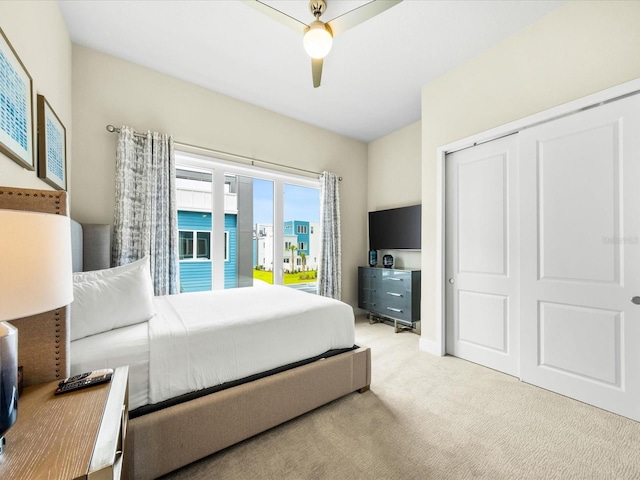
35,277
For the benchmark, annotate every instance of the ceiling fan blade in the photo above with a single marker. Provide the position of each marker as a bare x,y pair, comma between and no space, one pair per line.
316,70
281,17
359,15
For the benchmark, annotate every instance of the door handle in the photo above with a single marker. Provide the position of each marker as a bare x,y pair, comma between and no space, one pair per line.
452,281
635,300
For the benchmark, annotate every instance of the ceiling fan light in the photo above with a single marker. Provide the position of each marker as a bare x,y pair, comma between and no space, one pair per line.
317,40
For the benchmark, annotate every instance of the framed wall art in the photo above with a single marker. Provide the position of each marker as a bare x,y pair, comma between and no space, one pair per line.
52,146
16,107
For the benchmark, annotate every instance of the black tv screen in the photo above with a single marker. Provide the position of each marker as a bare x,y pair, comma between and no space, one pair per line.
396,228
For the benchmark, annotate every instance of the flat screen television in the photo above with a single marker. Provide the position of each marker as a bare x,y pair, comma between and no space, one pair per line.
396,228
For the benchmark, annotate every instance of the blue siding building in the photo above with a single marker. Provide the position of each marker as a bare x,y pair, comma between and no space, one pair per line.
195,272
302,231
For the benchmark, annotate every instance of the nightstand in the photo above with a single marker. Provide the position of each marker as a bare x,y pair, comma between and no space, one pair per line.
77,435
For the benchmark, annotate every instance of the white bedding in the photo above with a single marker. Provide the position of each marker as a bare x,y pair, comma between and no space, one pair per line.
200,340
204,339
116,348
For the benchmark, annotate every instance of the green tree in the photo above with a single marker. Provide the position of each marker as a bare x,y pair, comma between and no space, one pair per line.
293,249
303,258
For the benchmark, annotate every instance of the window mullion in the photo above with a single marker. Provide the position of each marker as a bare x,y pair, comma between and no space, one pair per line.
278,231
217,234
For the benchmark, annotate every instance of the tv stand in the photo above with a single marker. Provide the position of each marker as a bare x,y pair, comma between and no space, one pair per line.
390,295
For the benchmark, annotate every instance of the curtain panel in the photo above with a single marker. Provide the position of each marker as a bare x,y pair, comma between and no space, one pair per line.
330,267
145,216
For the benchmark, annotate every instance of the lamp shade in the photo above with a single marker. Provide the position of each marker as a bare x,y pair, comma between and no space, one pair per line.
317,40
35,263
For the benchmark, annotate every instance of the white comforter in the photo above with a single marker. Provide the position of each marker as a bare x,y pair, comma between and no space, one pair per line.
203,339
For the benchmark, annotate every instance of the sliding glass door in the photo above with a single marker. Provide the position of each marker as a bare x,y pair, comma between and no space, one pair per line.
239,226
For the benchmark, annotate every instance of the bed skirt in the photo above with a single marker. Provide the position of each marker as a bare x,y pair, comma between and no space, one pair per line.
163,441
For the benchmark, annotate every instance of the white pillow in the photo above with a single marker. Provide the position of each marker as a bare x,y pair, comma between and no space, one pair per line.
113,301
109,272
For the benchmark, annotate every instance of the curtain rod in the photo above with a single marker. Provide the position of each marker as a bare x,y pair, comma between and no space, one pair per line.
112,129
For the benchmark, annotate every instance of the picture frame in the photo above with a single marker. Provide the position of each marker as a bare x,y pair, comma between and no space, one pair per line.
16,107
52,146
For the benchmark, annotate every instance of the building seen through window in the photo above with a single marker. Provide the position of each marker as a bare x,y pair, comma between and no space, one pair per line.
245,212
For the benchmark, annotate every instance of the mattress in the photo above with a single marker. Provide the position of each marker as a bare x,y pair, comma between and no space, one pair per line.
205,339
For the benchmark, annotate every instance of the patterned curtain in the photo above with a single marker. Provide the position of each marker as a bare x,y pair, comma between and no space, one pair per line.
330,268
145,219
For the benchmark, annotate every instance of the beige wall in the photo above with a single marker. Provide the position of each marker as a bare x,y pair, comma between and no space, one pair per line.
38,34
394,180
112,91
581,48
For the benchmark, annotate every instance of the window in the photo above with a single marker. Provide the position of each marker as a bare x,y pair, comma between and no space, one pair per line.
186,245
230,184
203,251
250,212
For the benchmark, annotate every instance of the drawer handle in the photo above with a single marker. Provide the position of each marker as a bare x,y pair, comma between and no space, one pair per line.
395,279
395,309
394,294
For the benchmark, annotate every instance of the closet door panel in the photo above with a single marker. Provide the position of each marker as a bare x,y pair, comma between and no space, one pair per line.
482,255
580,256
579,205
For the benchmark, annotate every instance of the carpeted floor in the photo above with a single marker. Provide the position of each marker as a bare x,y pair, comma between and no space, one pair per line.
427,417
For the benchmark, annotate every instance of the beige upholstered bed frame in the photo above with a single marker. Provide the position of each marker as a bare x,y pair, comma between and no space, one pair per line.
43,342
163,441
160,442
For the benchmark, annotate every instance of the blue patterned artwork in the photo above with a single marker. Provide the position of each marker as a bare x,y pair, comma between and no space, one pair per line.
52,150
15,107
13,104
55,151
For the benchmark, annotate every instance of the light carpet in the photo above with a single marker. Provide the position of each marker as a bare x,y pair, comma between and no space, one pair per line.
429,417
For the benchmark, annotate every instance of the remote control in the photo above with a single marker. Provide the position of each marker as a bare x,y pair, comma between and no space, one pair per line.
84,380
80,376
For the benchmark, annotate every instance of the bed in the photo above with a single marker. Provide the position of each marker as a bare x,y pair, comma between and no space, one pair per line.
200,383
161,441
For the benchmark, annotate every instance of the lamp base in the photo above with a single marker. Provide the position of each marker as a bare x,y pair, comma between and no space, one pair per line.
8,378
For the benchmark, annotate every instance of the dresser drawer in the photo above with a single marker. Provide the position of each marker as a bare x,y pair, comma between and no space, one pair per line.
392,304
400,282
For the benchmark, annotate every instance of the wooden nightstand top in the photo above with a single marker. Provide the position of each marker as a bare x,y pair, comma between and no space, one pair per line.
55,435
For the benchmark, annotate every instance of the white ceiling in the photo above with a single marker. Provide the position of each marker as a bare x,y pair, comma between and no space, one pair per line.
372,77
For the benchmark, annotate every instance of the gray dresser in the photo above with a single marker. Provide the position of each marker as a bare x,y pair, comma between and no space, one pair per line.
390,293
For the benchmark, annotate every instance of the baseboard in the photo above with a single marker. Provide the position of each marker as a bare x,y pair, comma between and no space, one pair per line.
429,346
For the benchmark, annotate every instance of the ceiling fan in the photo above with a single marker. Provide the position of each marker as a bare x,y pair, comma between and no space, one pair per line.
318,35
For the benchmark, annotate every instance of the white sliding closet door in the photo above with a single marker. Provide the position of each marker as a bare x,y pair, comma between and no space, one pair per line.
482,254
580,256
